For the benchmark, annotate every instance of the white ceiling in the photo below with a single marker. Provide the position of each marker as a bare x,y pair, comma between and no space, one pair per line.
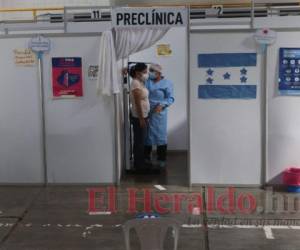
50,3
118,2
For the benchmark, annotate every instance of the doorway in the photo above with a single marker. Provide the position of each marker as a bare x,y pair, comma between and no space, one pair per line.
174,63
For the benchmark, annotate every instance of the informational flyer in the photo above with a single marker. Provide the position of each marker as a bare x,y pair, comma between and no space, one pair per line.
164,50
93,71
67,77
289,71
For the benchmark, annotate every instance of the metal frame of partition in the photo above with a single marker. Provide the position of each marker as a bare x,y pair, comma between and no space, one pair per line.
188,98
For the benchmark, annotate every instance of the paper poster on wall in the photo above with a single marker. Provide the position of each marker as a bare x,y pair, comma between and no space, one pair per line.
67,77
163,50
93,72
24,57
289,71
227,76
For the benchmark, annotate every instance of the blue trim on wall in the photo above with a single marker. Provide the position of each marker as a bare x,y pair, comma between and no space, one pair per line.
227,60
227,91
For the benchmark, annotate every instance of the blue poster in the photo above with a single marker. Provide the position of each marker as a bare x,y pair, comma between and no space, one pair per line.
227,76
289,71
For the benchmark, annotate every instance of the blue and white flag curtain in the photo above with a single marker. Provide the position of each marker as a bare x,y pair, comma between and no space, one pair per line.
228,76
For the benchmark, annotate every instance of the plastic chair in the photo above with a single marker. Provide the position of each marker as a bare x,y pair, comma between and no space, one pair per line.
151,232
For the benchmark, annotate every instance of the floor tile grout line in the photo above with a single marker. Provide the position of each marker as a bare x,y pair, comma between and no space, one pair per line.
20,218
10,217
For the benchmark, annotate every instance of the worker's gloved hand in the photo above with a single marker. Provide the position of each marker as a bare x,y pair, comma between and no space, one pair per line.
158,109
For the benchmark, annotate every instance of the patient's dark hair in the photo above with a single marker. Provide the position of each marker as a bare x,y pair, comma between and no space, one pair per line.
139,67
132,71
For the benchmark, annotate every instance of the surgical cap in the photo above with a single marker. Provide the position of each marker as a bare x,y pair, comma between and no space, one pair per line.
156,67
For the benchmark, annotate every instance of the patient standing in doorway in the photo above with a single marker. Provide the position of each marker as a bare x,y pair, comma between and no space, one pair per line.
139,111
161,97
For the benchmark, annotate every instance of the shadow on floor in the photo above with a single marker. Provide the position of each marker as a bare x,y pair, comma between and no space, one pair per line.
176,173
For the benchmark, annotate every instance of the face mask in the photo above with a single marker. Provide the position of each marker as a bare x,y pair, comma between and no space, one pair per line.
152,75
145,76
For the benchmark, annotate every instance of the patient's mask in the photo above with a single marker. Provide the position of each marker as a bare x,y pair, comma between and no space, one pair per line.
145,76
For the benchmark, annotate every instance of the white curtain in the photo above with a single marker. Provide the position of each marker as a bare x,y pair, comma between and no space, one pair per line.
119,45
129,41
108,75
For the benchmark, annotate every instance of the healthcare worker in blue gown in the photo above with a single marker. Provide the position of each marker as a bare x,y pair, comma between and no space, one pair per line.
160,97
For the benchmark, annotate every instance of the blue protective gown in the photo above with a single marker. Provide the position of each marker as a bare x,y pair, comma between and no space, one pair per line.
160,93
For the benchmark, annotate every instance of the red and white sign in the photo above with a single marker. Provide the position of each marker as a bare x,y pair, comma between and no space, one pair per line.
67,77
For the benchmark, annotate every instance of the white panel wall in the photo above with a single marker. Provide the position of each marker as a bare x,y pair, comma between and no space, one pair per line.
43,4
79,132
284,114
174,69
20,147
225,134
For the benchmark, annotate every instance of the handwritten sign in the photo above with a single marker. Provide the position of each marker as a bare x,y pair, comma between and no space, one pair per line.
24,57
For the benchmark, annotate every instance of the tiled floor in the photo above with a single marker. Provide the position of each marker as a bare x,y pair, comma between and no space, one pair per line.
57,218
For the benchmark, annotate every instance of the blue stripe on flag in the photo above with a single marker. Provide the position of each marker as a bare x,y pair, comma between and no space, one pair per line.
227,91
226,60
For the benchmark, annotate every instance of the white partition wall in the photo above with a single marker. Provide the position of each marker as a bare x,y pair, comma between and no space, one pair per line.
225,135
20,147
80,137
174,68
79,132
284,114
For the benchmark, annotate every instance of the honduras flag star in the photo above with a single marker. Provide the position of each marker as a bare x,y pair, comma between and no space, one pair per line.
227,76
244,79
210,72
209,80
244,71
